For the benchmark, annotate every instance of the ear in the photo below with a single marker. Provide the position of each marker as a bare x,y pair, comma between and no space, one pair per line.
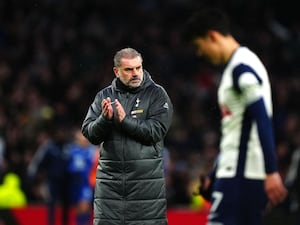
116,71
213,35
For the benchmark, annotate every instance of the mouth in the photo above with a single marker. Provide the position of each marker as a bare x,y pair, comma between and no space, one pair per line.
135,81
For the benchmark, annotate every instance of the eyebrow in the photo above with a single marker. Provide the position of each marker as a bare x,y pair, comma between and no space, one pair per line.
131,68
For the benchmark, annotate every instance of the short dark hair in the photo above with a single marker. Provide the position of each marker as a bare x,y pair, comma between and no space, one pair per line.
204,20
128,53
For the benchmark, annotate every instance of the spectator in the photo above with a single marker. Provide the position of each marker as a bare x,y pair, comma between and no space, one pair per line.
80,165
11,194
293,183
51,158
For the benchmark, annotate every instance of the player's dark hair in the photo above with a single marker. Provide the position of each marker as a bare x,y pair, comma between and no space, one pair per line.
205,20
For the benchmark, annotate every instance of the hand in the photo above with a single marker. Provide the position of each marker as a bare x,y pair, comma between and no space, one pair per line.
107,110
120,111
275,189
205,188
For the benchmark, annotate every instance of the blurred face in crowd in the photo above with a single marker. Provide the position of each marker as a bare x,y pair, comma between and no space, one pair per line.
130,71
80,139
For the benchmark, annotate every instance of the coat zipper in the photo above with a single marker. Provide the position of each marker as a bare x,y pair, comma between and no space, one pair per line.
123,163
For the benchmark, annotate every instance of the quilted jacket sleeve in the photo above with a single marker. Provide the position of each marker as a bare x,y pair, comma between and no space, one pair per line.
156,126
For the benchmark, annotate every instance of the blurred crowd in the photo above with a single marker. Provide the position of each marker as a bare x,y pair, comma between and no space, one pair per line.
56,54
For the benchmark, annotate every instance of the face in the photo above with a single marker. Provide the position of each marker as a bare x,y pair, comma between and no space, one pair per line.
80,139
208,48
130,72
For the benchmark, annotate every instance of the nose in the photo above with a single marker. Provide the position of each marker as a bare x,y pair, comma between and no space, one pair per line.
134,71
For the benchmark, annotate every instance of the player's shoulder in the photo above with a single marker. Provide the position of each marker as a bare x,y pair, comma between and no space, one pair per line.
246,62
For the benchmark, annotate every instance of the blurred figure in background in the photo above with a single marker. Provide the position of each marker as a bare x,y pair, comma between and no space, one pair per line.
80,166
2,159
51,159
293,183
11,194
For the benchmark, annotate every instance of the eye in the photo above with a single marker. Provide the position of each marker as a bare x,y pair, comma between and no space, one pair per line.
128,69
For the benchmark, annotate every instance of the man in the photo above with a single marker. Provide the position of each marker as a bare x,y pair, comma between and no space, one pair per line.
51,158
245,174
130,119
11,193
292,182
80,165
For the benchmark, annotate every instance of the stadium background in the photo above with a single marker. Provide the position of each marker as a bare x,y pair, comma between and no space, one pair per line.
56,54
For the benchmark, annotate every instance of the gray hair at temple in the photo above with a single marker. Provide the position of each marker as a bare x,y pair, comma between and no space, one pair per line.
128,53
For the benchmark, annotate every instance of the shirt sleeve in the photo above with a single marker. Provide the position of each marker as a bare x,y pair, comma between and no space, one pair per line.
257,111
250,86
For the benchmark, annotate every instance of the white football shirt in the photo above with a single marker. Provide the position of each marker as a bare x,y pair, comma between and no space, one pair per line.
244,81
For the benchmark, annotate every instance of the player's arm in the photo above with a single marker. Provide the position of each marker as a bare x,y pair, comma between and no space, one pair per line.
207,181
256,110
273,183
249,85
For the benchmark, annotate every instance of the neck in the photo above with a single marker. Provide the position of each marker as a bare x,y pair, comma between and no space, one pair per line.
230,46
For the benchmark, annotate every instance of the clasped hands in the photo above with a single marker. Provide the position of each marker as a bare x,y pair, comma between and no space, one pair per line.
108,111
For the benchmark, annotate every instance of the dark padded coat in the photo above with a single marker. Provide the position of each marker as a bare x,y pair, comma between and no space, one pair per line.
130,184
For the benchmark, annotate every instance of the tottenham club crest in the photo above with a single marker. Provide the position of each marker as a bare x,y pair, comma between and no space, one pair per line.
137,102
136,111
